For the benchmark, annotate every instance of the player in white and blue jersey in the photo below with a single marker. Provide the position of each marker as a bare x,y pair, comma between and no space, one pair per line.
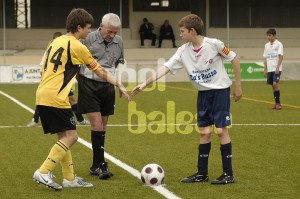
203,59
273,56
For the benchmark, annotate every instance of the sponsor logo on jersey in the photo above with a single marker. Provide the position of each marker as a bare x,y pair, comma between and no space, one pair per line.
209,61
197,51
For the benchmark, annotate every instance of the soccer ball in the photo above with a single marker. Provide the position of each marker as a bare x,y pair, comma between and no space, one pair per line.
152,174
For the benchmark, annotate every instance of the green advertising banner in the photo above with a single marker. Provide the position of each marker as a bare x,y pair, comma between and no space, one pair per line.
249,71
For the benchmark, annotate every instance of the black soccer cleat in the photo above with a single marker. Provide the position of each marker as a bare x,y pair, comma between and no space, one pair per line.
104,173
94,171
223,179
195,178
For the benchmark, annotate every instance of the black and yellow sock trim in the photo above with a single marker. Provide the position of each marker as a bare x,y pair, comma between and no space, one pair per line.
62,145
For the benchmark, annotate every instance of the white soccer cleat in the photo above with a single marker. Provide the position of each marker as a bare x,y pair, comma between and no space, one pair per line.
32,124
77,182
46,179
84,122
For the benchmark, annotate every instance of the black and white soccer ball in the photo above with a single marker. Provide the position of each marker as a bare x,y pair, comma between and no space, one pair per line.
152,174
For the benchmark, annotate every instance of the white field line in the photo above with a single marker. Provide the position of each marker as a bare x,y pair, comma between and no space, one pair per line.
135,125
160,189
17,102
152,124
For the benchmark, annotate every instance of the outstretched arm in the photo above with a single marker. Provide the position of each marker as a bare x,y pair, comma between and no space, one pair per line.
161,71
107,76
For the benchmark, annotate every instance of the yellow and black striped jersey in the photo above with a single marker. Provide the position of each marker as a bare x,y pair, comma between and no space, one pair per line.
61,63
43,58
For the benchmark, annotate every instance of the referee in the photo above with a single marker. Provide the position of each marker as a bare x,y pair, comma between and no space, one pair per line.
96,97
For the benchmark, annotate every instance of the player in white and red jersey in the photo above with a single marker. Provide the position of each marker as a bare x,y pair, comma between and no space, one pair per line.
273,56
203,58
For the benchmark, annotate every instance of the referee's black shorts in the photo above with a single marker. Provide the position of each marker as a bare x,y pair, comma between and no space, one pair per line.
95,96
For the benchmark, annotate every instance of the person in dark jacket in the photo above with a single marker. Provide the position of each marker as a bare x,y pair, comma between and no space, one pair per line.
146,32
166,32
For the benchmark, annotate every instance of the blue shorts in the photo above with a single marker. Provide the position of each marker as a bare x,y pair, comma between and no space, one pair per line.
213,107
272,77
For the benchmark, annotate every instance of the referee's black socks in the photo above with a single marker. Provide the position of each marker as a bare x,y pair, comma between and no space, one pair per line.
98,139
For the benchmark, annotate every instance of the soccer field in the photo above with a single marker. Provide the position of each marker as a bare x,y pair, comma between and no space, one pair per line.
158,126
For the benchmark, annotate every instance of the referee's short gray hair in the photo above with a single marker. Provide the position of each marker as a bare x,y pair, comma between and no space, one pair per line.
112,19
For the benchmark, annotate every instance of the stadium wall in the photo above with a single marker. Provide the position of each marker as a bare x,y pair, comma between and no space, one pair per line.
22,39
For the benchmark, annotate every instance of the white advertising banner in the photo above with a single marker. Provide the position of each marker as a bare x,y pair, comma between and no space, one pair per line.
20,74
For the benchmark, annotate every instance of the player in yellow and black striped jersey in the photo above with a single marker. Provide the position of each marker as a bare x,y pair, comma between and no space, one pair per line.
60,66
72,99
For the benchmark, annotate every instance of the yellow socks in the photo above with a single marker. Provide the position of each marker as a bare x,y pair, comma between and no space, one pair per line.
67,166
57,153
